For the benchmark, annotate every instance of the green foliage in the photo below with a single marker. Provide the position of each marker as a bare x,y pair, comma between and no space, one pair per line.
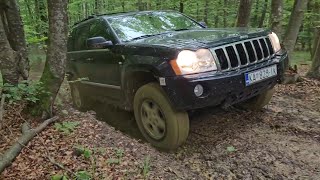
66,127
112,161
25,91
301,57
59,177
87,153
119,153
231,149
83,175
146,166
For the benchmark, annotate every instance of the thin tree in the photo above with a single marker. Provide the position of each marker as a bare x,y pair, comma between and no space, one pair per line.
263,14
244,13
315,67
294,25
54,69
276,16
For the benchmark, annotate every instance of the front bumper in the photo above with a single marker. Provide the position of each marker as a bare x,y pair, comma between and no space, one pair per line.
223,88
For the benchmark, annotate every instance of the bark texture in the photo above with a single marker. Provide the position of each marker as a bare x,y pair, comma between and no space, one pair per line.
315,67
205,18
17,38
276,16
244,13
54,69
294,25
8,57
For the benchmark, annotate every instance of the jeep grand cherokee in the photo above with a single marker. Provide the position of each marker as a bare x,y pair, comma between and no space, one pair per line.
161,64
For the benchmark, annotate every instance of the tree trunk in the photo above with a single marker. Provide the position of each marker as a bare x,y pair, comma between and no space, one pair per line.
205,18
140,5
294,25
17,37
315,40
244,13
8,57
315,67
225,14
181,8
54,69
263,15
276,16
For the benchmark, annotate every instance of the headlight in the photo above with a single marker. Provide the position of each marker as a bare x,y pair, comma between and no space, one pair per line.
190,62
275,42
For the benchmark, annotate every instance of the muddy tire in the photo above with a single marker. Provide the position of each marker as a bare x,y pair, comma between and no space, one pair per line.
159,122
77,98
258,102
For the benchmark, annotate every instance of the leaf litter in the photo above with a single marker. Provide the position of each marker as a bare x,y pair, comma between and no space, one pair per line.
280,142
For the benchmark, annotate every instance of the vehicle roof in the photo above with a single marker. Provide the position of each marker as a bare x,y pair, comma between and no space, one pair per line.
133,13
118,14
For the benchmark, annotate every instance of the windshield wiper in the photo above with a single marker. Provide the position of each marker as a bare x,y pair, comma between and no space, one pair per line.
182,29
144,36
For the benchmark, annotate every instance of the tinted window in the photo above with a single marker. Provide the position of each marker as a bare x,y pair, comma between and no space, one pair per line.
129,27
98,28
80,42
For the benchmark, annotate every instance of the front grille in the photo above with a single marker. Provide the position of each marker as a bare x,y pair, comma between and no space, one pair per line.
243,53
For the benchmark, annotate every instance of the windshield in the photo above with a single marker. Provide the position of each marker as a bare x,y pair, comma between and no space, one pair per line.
142,25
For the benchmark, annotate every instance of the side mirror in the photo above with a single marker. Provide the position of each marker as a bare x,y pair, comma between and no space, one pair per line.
98,43
203,24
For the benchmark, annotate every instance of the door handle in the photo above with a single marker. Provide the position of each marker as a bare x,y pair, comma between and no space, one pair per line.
89,59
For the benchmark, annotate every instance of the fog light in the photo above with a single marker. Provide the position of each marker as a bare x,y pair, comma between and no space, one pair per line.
198,90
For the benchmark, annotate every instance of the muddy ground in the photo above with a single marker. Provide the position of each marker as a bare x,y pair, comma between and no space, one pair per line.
280,142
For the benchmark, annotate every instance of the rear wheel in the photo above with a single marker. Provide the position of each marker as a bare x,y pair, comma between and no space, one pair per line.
258,102
159,122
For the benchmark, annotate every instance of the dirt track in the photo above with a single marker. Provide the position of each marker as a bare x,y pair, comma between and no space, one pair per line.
280,142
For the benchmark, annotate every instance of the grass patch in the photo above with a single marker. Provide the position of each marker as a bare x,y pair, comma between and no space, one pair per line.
301,57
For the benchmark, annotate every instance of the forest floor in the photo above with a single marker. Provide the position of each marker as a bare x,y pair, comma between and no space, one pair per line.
280,142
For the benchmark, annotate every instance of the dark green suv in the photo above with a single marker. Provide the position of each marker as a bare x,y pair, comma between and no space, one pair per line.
161,64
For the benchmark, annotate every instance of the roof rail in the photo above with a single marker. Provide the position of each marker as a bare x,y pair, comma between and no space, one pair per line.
83,20
105,14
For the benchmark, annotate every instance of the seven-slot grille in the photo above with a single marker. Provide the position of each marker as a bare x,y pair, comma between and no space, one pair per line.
243,53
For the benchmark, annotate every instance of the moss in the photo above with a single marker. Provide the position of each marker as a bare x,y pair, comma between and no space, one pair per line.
50,84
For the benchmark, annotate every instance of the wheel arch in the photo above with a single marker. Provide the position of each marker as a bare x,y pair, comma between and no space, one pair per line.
135,77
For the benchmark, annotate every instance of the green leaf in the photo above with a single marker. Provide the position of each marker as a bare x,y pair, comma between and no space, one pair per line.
111,161
87,153
83,175
231,149
59,177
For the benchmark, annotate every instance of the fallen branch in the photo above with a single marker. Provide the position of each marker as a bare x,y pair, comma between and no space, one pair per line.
3,98
27,135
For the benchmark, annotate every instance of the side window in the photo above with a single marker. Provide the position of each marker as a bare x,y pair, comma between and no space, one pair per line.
99,29
80,43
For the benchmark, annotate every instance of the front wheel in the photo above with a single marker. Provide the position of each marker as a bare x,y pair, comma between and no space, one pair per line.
159,122
258,102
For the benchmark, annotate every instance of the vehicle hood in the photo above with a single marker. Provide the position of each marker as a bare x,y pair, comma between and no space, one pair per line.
200,38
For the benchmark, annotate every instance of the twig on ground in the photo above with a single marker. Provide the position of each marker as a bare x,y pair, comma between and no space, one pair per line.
22,141
3,98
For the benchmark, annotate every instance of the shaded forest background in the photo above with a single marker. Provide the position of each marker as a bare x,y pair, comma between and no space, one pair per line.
217,14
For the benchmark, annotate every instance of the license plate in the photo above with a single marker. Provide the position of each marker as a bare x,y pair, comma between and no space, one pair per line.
260,75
